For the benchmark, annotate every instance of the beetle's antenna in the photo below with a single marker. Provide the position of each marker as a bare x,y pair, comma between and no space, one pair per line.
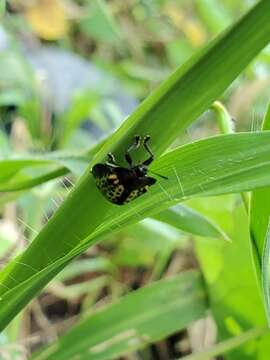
162,176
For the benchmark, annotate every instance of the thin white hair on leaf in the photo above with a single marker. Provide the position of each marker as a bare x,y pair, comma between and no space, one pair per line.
179,182
27,225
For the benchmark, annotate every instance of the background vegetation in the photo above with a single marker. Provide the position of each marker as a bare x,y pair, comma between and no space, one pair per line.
181,271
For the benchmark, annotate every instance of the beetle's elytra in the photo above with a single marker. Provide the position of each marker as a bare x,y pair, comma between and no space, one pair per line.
120,184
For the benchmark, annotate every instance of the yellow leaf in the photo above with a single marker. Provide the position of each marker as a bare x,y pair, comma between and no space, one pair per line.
48,19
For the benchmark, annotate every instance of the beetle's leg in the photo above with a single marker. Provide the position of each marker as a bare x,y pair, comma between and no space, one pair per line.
134,146
111,159
151,158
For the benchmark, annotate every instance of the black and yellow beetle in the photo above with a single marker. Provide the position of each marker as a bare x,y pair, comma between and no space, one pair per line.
119,184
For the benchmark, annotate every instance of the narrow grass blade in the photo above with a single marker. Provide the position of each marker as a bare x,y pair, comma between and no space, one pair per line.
224,164
260,211
24,173
179,100
130,324
265,274
186,219
228,345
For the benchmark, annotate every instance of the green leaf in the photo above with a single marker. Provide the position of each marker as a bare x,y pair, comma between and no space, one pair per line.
214,14
74,291
218,165
193,87
145,241
16,85
215,166
31,170
85,265
224,119
2,7
265,273
259,212
228,345
100,23
228,271
130,323
191,221
222,164
81,106
259,234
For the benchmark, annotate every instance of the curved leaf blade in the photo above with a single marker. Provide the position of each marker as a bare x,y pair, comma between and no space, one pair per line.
130,323
224,164
186,219
186,94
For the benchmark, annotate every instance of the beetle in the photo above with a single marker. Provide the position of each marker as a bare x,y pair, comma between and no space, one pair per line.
121,185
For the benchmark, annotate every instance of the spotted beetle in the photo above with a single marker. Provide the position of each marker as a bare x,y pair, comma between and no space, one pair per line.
120,184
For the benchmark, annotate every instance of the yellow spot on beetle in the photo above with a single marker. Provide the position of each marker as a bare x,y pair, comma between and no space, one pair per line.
112,177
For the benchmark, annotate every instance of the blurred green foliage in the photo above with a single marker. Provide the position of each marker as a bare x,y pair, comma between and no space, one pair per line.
71,71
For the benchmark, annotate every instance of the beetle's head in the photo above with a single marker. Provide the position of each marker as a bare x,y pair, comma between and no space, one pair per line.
140,170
